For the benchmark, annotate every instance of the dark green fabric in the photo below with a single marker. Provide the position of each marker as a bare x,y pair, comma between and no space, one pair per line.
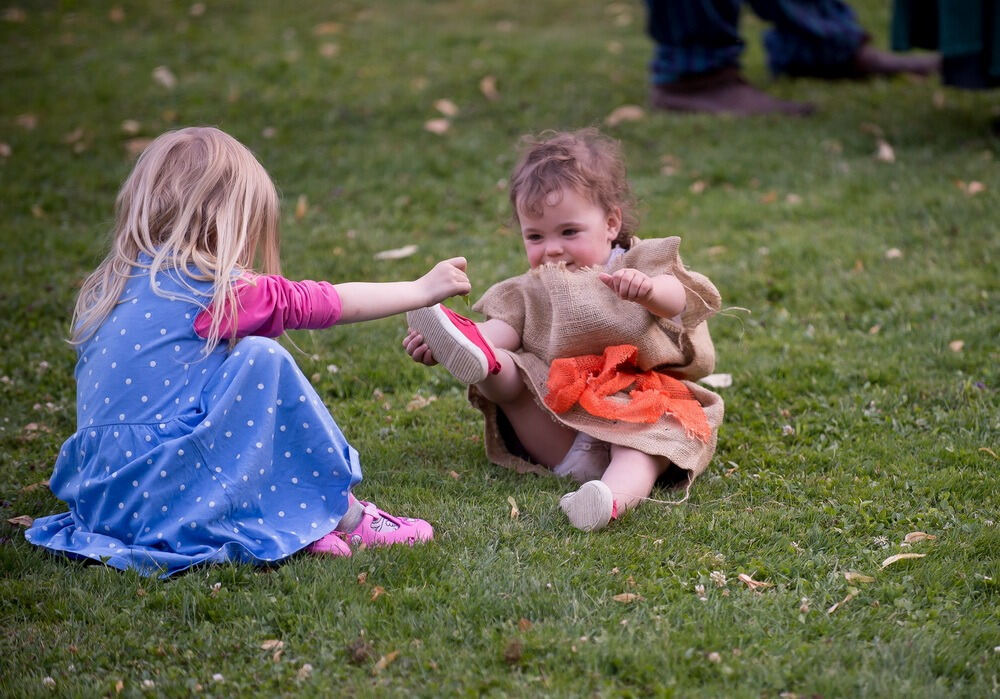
966,32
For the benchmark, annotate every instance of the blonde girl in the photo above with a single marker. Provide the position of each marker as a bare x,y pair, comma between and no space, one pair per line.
584,366
198,437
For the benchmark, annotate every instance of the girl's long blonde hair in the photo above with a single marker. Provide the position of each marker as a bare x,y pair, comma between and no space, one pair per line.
198,203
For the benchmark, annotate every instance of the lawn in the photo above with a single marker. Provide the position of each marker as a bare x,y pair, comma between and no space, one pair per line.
857,254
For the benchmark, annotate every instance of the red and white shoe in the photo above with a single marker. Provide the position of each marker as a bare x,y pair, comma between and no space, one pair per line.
455,342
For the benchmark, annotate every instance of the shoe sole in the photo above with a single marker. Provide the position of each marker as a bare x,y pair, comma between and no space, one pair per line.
453,350
590,507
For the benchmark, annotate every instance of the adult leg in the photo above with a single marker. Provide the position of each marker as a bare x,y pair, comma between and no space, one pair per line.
695,66
822,38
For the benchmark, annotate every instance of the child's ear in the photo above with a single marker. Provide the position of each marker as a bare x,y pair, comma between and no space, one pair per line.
614,221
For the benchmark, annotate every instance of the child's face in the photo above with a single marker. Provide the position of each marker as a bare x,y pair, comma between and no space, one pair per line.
571,229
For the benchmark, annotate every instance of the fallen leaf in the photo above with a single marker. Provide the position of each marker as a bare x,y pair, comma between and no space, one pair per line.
893,254
329,49
5,150
625,113
35,486
901,557
975,188
21,521
164,77
793,199
769,197
131,127
956,345
301,207
714,657
669,165
614,47
627,597
362,577
874,330
512,653
446,107
885,153
377,592
359,651
488,86
119,686
454,474
384,662
523,624
15,15
913,537
851,576
272,644
396,253
717,380
753,584
937,99
27,121
327,28
514,512
135,146
419,402
74,136
197,9
698,186
304,672
851,594
438,126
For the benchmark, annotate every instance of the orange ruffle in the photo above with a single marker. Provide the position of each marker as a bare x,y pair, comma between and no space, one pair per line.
592,379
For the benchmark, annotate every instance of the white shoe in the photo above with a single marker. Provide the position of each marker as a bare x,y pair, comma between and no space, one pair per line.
455,342
589,508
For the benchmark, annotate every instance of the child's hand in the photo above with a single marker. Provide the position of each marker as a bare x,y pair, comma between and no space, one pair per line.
417,349
446,279
629,284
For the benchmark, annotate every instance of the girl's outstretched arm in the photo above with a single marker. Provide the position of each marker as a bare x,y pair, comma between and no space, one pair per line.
370,300
662,295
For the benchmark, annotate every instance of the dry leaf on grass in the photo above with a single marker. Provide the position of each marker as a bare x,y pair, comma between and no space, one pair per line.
362,577
21,521
717,380
446,107
327,28
885,153
396,253
135,146
698,186
514,512
328,49
851,576
893,254
523,624
301,207
164,76
454,474
956,345
970,188
377,592
488,86
753,584
627,597
304,672
625,113
852,592
27,121
438,126
419,402
384,662
913,537
272,644
44,484
901,557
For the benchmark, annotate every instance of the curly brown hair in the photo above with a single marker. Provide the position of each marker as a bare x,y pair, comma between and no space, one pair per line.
585,161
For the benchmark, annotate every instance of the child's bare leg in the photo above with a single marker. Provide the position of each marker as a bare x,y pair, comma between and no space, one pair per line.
628,479
631,475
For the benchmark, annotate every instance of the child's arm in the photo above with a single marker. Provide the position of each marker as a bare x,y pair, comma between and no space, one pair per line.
370,300
270,305
662,295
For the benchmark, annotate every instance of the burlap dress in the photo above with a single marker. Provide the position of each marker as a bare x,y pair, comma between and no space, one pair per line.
559,313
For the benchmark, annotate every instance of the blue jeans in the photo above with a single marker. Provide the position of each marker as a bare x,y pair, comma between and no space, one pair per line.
698,36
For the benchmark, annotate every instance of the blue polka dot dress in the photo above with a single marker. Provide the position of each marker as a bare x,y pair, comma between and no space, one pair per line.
182,459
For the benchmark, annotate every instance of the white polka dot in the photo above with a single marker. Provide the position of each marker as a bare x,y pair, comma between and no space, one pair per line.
295,480
211,503
302,505
315,474
137,347
260,387
180,452
128,381
288,454
152,363
163,474
249,423
144,399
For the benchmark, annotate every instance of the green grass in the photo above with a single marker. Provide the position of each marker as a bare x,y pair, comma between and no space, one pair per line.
889,430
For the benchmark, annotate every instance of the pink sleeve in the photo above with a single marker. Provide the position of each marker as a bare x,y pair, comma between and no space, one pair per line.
269,305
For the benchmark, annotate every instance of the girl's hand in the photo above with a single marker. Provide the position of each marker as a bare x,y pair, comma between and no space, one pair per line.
417,349
629,284
446,279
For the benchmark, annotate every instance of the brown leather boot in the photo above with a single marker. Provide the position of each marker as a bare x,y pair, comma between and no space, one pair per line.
723,91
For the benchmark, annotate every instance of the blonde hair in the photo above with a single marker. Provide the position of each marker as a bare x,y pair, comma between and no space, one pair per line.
585,161
197,202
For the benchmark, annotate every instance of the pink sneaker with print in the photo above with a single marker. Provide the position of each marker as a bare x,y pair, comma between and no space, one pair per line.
455,342
379,528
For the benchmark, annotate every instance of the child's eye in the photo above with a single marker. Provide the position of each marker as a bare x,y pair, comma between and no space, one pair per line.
532,237
570,232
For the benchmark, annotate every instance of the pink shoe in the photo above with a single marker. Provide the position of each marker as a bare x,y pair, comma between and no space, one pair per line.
379,528
455,342
330,545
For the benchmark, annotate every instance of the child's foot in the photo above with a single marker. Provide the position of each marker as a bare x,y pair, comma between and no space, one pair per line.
591,507
379,528
455,342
